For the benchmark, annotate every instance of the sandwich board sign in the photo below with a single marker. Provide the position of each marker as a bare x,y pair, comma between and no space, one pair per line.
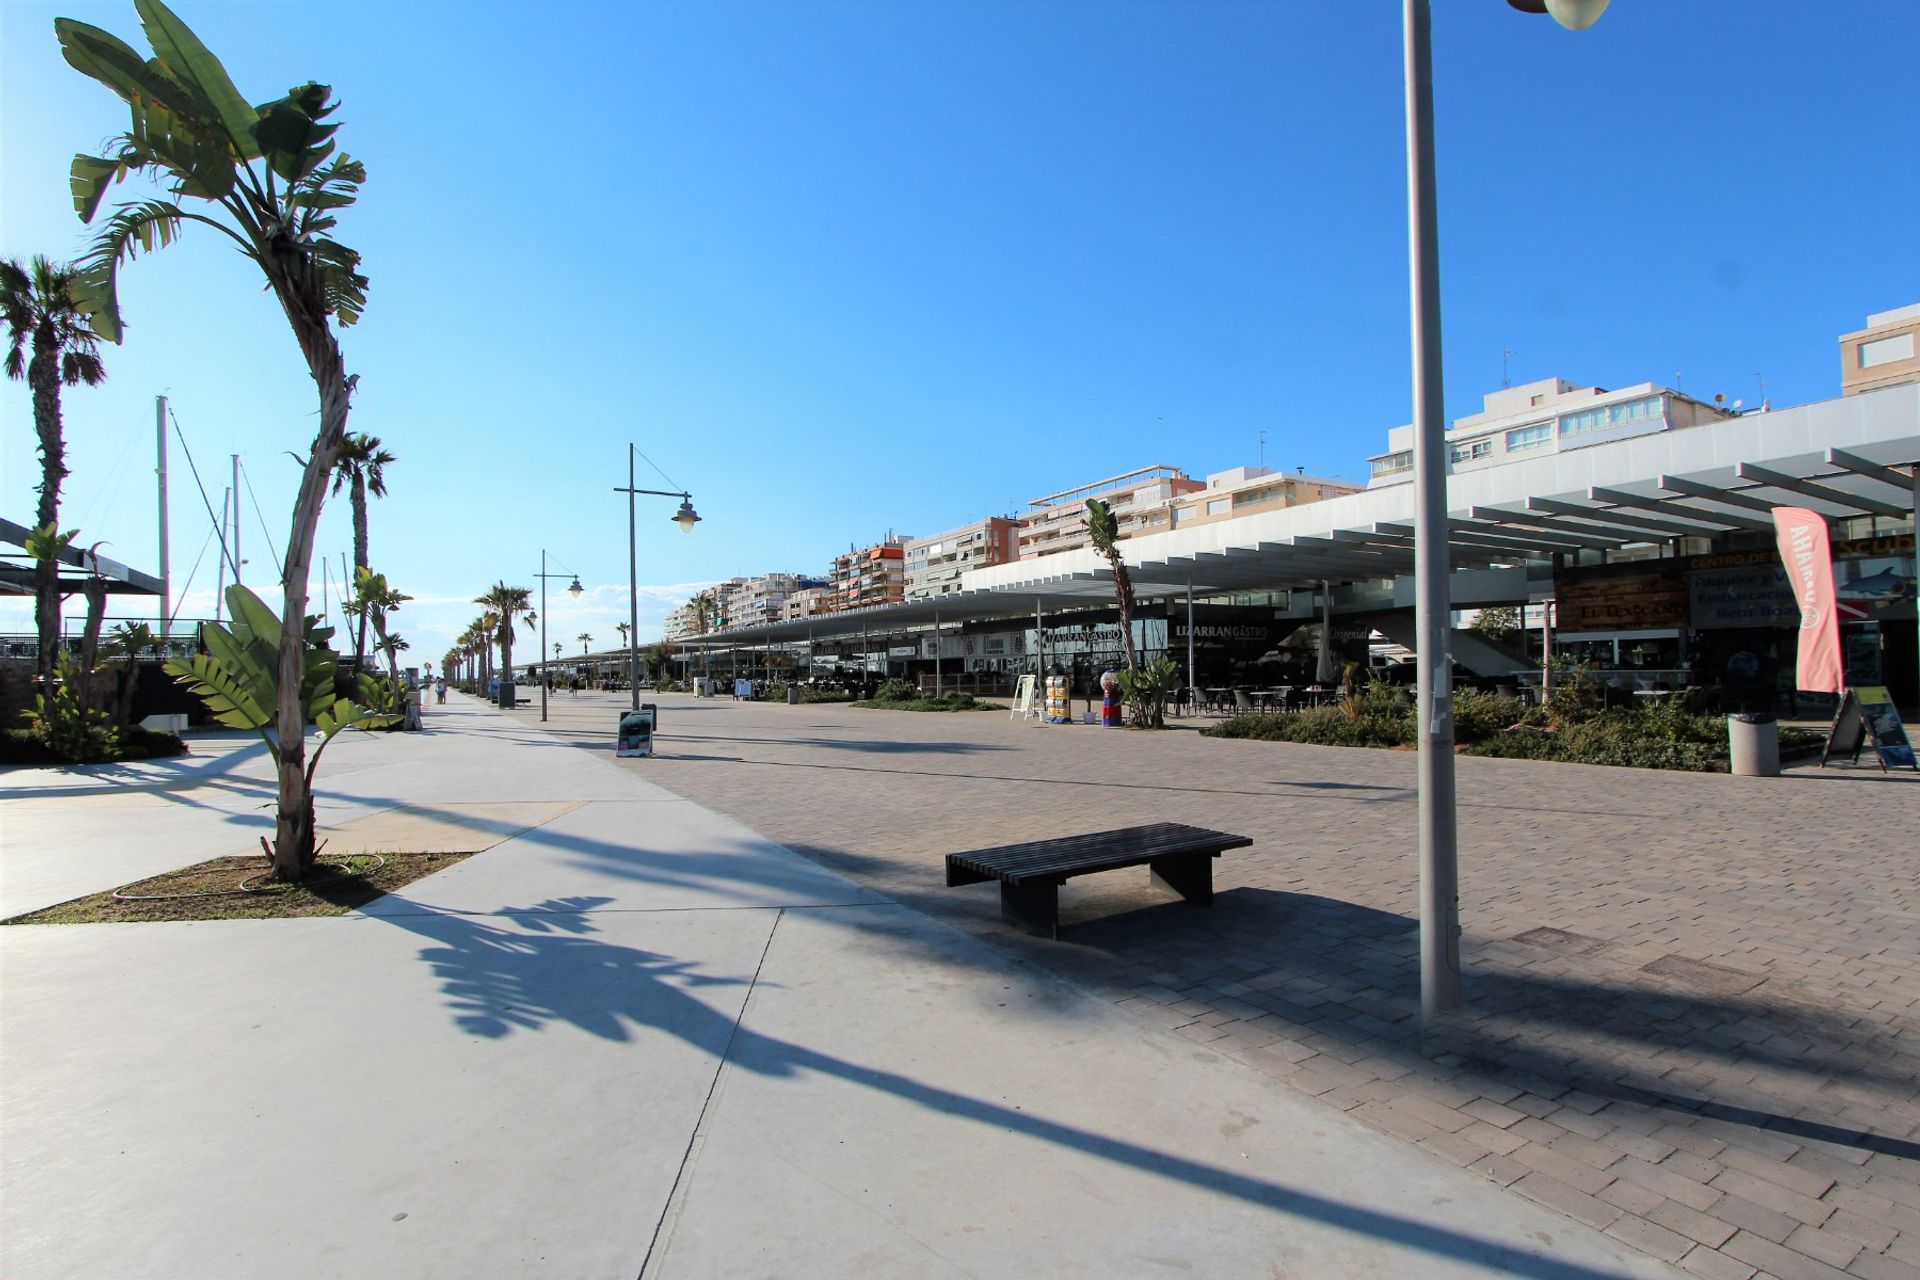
1023,700
1867,718
636,731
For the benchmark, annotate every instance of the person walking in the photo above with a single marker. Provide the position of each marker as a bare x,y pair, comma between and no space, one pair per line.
440,690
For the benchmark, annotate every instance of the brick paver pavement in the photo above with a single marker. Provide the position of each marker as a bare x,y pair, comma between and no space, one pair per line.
1692,1001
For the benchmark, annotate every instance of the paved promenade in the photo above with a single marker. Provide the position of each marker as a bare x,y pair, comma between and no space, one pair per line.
1693,1001
633,1037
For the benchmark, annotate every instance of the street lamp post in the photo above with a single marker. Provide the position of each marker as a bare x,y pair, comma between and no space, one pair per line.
1439,831
546,674
686,517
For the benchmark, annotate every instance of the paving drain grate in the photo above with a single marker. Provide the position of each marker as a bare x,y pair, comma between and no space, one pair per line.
1714,979
1560,940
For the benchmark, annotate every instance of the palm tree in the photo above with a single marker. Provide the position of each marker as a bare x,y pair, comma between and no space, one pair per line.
506,605
1104,528
584,640
393,644
373,599
268,178
361,469
42,314
702,605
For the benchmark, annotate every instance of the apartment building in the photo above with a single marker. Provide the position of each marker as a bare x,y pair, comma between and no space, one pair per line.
685,621
1057,522
1243,491
870,575
1884,354
807,602
764,598
934,565
1546,417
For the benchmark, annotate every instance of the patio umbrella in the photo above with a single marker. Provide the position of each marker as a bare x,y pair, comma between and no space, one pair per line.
1324,673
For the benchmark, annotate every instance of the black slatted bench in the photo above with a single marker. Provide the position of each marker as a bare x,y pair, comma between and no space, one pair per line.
1179,858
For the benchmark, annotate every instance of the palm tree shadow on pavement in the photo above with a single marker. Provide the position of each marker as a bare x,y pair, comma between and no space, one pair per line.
524,970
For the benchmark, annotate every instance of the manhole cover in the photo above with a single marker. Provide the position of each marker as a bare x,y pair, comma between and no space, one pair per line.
1560,940
1714,979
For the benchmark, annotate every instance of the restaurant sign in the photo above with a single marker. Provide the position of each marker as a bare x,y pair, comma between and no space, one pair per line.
1640,602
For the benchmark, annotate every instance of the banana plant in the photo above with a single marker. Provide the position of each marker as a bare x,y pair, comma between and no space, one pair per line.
239,679
267,177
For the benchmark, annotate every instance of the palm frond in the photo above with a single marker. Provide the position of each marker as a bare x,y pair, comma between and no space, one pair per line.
135,227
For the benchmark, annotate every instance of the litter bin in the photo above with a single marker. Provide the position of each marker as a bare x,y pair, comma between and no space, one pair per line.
1753,744
793,695
506,693
636,731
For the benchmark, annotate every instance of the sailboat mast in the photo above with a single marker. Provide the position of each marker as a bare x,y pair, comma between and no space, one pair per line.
166,575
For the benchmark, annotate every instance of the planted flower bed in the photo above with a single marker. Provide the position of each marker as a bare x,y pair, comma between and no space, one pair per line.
1573,727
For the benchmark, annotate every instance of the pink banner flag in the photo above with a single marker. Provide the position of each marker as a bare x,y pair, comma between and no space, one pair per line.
1802,535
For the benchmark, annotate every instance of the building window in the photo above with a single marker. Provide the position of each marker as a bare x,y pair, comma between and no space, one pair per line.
1600,418
1468,452
1393,462
1529,437
1219,506
1886,350
1183,514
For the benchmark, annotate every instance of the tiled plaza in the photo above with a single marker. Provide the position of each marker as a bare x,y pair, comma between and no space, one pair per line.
1692,1001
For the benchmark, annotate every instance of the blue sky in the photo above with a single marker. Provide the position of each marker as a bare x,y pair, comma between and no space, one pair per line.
841,268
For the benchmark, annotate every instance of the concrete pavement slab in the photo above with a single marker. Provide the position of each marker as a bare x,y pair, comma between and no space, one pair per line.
644,855
903,1101
423,1096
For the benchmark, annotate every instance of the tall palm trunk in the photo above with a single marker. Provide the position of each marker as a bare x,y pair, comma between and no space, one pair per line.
293,850
357,495
43,376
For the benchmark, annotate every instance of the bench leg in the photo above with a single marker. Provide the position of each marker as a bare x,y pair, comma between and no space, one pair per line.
1190,877
1034,905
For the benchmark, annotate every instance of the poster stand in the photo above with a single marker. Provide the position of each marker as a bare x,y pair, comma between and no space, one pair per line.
1025,704
1867,718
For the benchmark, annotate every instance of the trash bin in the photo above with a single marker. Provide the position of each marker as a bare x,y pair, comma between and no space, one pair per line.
793,695
506,693
1753,744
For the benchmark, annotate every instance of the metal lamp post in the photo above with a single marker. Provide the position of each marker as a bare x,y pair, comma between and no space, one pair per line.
574,590
1439,832
686,517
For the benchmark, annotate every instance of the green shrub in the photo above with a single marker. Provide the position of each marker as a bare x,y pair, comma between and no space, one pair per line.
1639,738
825,695
896,690
66,726
25,746
1478,715
1350,723
944,702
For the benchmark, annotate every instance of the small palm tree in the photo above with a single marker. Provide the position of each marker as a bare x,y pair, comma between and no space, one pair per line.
584,640
42,315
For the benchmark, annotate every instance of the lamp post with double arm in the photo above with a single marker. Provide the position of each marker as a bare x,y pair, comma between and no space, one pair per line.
574,590
686,517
